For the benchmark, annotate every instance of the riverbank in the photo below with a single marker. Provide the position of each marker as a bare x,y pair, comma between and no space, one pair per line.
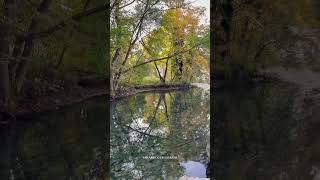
50,94
307,80
58,101
61,100
150,88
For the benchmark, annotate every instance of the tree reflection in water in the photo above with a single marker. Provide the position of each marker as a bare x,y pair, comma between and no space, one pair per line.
266,132
159,124
66,144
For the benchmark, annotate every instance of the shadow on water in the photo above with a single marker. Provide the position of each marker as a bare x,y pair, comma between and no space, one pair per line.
267,132
160,135
67,144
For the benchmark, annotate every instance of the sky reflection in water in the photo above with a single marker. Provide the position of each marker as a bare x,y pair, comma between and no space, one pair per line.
160,125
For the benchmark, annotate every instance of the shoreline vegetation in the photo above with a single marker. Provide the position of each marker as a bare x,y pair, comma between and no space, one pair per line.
150,88
89,91
60,100
54,102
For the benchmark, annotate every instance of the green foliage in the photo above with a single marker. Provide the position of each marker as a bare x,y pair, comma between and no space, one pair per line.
84,40
175,33
261,34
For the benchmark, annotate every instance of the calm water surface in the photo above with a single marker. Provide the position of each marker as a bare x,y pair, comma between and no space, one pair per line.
63,145
161,135
71,144
269,132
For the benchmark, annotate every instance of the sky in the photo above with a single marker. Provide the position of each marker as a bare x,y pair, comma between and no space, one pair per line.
206,4
199,3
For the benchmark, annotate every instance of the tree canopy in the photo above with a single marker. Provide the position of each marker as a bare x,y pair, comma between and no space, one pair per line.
251,35
158,42
45,45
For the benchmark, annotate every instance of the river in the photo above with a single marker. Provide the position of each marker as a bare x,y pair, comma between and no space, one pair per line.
161,135
269,131
153,135
266,131
66,144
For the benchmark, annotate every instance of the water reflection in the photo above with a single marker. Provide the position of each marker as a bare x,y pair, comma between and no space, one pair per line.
158,135
266,132
67,144
194,169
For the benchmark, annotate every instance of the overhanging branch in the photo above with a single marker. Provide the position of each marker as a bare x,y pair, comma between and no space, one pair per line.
63,23
159,59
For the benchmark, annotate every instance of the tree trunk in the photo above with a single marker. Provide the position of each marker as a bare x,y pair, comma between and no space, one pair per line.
4,83
60,60
5,43
166,71
114,60
13,65
133,40
162,80
23,65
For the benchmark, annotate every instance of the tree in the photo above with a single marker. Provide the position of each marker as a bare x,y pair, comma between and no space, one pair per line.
172,39
139,18
33,33
250,35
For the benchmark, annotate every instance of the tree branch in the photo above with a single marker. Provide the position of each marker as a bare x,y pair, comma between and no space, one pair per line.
63,23
159,59
262,47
